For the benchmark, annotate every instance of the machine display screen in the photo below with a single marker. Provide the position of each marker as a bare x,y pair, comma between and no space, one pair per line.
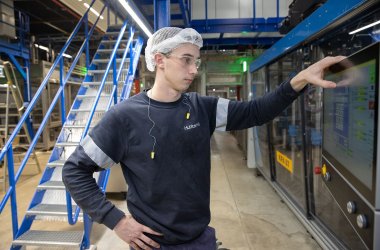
350,115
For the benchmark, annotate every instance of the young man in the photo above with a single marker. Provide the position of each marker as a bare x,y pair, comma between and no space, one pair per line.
161,138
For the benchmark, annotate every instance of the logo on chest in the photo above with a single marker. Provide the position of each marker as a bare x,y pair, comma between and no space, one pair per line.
191,126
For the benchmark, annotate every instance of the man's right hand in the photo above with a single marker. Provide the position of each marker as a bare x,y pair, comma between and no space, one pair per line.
129,230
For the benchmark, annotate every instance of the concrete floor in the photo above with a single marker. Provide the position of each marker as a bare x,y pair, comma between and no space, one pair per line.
246,212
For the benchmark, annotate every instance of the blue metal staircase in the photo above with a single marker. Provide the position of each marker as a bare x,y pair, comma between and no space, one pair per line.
108,80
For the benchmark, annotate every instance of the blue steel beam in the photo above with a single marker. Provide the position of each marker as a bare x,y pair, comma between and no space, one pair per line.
18,66
15,50
237,25
328,13
161,14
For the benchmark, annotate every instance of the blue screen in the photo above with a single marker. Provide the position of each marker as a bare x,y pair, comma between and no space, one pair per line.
349,120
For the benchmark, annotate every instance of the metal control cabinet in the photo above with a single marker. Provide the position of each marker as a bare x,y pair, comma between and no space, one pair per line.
350,149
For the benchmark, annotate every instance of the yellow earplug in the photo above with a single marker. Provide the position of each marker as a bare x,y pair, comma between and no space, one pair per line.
187,115
152,155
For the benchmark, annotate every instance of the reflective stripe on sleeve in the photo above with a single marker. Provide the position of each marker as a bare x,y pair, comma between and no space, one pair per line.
221,114
95,153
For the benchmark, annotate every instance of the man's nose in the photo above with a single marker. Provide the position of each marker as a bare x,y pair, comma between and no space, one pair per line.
193,69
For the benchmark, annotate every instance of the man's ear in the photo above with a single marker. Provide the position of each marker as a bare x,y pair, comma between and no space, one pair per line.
159,60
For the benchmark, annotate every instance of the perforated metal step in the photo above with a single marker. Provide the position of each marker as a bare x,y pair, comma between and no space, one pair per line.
107,60
102,71
87,110
92,96
56,185
98,83
57,163
77,126
49,209
50,238
109,50
113,41
67,144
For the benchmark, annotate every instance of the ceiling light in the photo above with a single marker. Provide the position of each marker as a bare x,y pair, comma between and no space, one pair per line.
135,17
93,10
363,28
47,50
42,47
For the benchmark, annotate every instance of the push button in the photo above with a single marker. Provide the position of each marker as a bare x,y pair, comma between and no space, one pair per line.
351,207
362,221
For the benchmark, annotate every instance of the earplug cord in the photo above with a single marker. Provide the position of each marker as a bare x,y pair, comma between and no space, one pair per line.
150,131
186,102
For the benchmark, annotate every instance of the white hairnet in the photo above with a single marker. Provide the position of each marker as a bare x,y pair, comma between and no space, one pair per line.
167,39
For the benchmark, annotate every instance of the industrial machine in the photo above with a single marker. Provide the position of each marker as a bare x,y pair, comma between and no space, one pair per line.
350,148
320,154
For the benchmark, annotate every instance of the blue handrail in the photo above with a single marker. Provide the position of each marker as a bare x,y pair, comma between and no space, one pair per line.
131,72
7,149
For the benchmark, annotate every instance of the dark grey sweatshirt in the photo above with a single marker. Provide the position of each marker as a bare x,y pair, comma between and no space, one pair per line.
170,193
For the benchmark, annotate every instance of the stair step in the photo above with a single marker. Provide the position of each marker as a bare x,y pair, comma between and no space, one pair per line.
50,238
109,50
115,33
49,210
67,144
56,185
87,110
98,83
92,96
77,126
57,163
113,41
107,60
102,71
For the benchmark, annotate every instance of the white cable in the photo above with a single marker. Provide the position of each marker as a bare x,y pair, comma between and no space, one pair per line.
153,125
186,102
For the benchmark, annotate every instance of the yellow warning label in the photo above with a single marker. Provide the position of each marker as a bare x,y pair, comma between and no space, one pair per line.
284,161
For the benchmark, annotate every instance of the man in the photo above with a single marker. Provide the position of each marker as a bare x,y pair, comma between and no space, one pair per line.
161,138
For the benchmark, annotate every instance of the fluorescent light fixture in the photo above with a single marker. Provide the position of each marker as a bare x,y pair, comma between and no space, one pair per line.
93,10
42,47
135,17
47,49
365,27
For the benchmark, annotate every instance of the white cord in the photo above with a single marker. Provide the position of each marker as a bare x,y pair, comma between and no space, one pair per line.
153,125
186,102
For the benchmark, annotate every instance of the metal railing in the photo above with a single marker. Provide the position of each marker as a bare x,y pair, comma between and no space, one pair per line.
73,219
7,149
